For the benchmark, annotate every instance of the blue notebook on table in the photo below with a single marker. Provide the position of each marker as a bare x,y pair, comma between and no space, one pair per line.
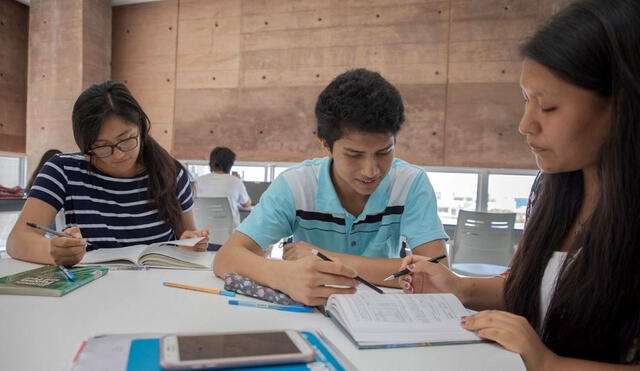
144,355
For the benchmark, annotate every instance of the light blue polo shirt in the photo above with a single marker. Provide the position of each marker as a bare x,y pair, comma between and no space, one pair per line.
303,202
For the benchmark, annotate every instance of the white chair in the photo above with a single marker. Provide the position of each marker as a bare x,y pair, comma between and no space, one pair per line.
60,221
483,243
214,213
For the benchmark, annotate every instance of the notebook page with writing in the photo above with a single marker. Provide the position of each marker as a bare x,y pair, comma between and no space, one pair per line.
372,319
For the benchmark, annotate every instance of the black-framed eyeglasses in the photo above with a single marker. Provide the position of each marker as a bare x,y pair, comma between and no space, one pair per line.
125,145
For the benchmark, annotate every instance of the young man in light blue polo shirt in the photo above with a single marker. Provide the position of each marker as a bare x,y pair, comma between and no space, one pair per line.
354,206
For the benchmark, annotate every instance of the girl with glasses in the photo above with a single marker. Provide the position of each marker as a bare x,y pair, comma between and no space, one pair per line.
121,189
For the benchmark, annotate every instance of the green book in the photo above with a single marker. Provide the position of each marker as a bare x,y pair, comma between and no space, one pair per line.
48,281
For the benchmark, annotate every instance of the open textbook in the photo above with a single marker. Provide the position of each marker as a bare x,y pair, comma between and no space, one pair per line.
372,320
162,254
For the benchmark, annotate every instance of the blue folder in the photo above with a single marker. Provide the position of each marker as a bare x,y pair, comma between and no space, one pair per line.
144,355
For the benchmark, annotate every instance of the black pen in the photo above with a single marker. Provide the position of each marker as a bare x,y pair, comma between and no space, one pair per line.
407,271
324,257
51,231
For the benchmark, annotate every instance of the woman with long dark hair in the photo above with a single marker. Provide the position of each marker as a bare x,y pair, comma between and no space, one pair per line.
571,299
45,157
122,189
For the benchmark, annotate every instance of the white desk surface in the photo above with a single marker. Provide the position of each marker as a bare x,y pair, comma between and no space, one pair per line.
43,333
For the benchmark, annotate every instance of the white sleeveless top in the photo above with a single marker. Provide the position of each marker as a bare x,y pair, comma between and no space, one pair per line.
548,287
549,280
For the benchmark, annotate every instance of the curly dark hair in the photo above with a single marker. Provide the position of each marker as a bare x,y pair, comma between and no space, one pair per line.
358,100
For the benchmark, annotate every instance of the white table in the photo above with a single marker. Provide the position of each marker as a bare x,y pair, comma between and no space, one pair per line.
43,333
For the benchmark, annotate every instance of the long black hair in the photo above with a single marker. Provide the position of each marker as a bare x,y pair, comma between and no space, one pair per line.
595,310
99,102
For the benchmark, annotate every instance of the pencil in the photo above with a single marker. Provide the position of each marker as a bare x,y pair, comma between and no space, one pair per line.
372,286
407,271
201,289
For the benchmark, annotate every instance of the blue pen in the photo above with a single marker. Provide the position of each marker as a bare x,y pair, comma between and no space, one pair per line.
70,276
287,308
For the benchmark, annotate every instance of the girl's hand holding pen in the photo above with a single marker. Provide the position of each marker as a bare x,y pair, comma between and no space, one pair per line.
427,277
68,251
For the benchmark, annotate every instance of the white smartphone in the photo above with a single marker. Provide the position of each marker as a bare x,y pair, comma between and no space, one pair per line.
234,349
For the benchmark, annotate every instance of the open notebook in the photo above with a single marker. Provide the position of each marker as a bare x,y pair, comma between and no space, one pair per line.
372,320
161,254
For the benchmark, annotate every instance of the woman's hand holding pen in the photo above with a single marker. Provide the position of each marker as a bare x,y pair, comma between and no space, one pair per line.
305,280
515,334
427,277
68,251
202,245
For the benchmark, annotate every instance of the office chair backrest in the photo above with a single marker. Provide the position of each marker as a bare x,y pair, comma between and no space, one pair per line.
214,213
255,190
483,238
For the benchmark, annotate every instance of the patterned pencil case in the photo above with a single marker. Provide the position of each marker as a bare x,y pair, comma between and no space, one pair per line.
245,286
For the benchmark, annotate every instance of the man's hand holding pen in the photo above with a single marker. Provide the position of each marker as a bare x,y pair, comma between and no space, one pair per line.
297,250
311,280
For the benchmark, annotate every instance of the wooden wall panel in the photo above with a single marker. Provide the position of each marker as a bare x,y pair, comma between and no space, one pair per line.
14,27
348,36
247,72
493,9
247,90
482,126
282,6
339,16
209,45
55,75
144,40
69,48
274,124
421,139
96,42
484,102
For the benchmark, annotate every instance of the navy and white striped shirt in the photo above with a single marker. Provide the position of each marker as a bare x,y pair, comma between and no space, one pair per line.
110,212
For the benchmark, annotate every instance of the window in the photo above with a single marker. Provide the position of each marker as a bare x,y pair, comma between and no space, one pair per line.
454,192
247,171
197,170
509,193
490,190
12,171
251,173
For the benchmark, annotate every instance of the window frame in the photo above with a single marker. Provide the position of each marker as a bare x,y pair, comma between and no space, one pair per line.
483,174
